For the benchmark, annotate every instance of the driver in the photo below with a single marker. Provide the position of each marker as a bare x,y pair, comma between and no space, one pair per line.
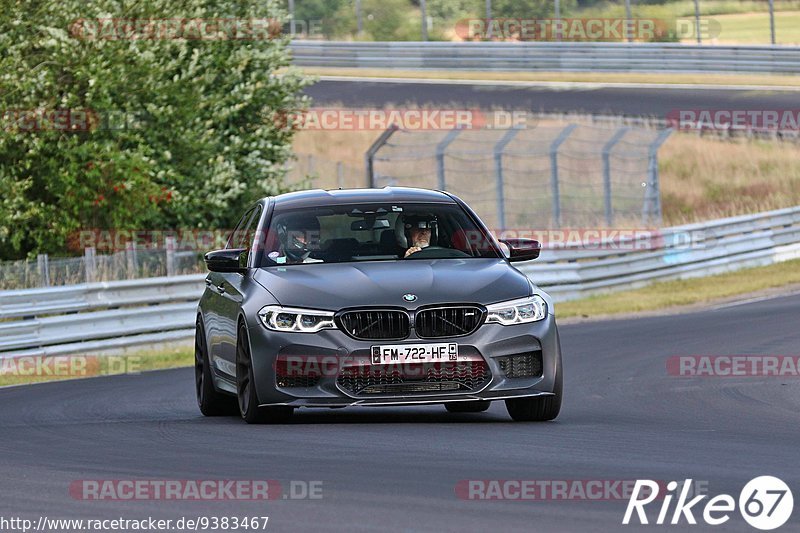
417,232
297,233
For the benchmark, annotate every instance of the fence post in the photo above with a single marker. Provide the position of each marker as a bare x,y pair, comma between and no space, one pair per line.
628,18
554,172
130,256
697,21
772,21
369,157
620,133
90,264
488,19
441,148
424,13
557,33
171,245
651,210
44,269
498,172
291,19
310,164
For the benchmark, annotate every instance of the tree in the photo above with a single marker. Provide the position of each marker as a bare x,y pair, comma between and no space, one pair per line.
142,122
324,14
389,20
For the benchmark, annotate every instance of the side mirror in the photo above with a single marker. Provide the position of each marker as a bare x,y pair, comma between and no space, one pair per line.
230,260
522,249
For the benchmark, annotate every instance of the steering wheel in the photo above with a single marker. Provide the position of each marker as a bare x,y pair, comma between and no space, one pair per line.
438,252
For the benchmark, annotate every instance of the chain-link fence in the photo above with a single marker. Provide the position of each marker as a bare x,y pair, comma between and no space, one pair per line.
132,263
548,176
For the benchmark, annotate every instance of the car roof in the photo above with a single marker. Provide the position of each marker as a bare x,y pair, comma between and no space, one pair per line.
320,198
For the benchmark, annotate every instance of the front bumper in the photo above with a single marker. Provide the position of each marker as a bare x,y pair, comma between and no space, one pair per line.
489,343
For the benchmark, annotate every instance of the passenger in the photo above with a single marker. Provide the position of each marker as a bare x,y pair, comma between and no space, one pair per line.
297,234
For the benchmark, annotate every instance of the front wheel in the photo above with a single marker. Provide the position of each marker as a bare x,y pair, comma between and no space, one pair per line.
538,409
246,389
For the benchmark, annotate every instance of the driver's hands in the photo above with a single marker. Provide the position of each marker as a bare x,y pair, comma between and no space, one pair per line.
412,250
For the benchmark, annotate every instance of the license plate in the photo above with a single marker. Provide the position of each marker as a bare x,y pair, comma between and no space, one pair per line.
414,353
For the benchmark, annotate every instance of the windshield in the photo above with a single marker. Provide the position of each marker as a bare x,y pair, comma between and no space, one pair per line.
374,232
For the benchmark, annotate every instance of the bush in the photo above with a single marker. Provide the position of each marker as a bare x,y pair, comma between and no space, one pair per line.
198,147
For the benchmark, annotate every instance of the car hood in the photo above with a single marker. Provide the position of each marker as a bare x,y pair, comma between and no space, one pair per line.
336,286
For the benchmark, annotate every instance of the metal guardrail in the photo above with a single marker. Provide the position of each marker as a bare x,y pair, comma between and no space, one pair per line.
547,56
103,317
98,317
680,252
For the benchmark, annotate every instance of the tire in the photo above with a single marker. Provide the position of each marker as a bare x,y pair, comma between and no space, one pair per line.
210,401
246,393
477,406
538,409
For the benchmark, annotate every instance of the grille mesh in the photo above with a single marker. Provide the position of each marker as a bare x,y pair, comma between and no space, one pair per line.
453,321
524,365
289,382
414,378
296,372
375,324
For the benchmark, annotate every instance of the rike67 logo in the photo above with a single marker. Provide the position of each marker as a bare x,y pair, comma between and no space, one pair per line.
765,503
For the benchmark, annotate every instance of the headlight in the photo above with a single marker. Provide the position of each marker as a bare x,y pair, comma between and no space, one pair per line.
520,311
279,318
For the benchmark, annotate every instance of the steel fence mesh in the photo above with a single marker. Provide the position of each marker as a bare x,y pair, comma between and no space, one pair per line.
548,176
129,264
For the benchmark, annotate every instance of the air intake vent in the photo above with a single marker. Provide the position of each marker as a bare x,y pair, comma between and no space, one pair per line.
379,324
524,365
467,376
455,321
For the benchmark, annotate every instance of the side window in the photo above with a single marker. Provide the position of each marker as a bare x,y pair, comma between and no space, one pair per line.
239,237
236,234
249,235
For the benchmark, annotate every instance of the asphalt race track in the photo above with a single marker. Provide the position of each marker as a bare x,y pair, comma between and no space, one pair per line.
590,99
396,469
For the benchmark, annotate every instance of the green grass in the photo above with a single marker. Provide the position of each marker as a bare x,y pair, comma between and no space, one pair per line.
753,28
668,294
685,8
35,370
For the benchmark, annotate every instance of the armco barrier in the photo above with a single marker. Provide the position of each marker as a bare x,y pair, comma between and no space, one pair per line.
548,56
100,317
